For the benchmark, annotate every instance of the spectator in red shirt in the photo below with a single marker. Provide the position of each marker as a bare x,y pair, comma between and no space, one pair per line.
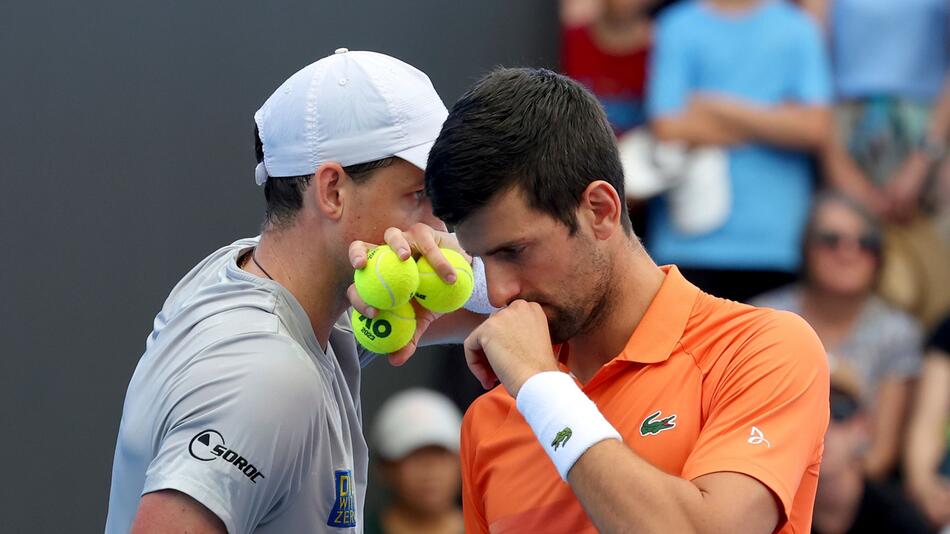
609,55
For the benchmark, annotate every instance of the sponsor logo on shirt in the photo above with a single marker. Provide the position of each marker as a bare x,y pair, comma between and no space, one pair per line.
756,437
652,426
208,445
560,439
343,514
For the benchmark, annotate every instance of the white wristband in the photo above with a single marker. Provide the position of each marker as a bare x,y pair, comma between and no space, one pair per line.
564,419
478,302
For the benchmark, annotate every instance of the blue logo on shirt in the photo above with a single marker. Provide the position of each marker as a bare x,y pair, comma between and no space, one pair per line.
343,514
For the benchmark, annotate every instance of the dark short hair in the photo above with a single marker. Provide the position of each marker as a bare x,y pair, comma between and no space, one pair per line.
284,194
531,129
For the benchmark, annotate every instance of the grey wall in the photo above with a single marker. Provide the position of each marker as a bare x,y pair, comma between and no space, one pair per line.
126,144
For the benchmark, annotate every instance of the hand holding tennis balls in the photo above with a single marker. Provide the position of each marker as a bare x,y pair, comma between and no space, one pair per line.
435,294
421,240
386,282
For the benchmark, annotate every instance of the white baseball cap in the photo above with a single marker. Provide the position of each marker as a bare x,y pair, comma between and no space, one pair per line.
350,107
413,419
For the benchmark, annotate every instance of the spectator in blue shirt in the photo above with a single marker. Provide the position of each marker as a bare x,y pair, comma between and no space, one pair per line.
751,76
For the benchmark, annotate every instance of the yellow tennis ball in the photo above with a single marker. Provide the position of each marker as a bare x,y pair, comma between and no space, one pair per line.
386,282
436,295
388,332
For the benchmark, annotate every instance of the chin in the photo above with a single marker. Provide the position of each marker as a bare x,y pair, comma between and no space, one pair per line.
561,332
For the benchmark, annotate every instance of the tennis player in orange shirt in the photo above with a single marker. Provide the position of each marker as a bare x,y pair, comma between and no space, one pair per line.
629,400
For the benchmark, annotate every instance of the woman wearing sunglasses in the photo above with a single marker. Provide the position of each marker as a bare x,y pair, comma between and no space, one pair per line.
836,295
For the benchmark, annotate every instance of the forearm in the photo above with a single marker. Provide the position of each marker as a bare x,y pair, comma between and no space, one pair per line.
622,492
789,126
924,452
694,130
619,490
451,328
925,436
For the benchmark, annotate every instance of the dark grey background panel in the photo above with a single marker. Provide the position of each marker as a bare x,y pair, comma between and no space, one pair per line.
126,155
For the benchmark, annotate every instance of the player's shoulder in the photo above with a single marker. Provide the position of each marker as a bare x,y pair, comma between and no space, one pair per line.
788,330
237,321
255,363
213,303
723,327
268,377
271,354
264,380
737,318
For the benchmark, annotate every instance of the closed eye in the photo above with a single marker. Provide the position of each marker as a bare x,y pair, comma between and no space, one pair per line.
510,253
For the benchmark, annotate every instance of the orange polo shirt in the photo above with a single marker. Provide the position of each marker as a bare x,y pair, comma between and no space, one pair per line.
703,385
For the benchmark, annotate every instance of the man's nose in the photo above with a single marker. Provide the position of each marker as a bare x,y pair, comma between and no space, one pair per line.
503,285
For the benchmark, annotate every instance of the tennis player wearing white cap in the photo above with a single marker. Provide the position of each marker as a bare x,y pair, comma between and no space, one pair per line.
243,414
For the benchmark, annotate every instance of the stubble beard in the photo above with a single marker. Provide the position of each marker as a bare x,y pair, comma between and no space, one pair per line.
584,315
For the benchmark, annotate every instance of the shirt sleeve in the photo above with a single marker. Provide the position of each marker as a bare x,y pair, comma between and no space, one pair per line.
472,504
812,75
239,429
668,87
768,412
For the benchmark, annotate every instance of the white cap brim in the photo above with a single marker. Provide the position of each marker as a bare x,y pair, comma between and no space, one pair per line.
417,155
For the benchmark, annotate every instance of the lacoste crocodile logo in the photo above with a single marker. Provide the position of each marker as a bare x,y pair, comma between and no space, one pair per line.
560,439
652,426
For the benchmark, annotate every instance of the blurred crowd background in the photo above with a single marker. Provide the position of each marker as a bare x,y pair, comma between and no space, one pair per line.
786,154
792,155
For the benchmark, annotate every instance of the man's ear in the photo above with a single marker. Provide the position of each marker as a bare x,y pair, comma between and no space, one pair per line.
601,206
328,191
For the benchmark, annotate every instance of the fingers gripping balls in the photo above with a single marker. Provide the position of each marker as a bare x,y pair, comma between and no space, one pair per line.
388,284
436,295
388,332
